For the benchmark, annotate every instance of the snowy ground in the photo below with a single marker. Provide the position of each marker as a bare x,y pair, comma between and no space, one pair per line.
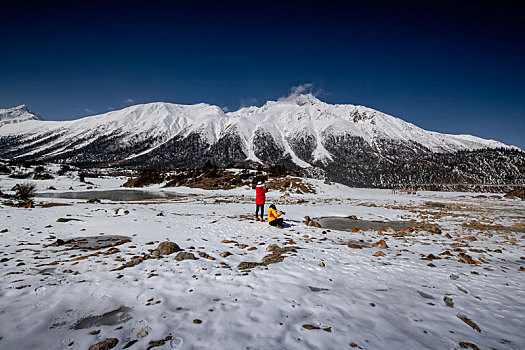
323,295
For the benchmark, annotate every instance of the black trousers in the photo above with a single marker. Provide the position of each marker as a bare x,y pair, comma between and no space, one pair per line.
257,207
277,222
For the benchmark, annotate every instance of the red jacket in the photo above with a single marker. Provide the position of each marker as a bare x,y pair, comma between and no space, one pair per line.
260,195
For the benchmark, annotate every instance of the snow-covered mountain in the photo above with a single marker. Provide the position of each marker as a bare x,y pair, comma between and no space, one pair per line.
16,115
301,132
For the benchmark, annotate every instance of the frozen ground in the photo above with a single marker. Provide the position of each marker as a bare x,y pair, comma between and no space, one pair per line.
325,294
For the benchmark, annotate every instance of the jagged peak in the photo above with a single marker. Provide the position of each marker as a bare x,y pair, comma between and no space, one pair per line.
17,114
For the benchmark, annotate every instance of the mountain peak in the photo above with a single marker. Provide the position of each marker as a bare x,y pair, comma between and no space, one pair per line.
17,114
307,99
300,100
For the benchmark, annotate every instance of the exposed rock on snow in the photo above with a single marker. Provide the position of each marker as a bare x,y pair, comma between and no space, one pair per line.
166,248
185,256
106,344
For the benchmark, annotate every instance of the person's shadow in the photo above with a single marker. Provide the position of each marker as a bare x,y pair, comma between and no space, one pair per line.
288,223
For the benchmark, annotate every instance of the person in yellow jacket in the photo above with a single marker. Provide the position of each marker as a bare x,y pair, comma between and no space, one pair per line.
273,216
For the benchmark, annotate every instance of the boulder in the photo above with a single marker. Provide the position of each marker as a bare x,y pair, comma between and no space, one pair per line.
166,248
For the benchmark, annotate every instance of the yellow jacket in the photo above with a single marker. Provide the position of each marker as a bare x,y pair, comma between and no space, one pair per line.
272,214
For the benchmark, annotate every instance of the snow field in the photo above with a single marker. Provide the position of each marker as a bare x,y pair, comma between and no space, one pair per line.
394,301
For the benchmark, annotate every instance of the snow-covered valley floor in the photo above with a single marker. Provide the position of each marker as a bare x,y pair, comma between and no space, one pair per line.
463,287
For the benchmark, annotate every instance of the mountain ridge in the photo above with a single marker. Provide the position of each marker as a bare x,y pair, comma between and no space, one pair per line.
353,144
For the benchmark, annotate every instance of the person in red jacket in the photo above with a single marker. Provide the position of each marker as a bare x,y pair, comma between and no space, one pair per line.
260,199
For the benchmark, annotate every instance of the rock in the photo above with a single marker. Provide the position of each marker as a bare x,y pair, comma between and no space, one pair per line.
310,327
185,256
121,212
469,322
106,344
241,246
448,301
206,256
272,247
67,219
310,222
112,250
466,259
352,217
380,244
431,257
225,254
166,248
160,342
142,334
247,265
273,258
354,246
434,231
322,264
317,289
466,345
446,235
379,253
133,262
197,321
93,200
461,289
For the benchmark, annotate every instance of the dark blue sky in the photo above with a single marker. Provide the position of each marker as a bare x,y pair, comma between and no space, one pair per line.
443,66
